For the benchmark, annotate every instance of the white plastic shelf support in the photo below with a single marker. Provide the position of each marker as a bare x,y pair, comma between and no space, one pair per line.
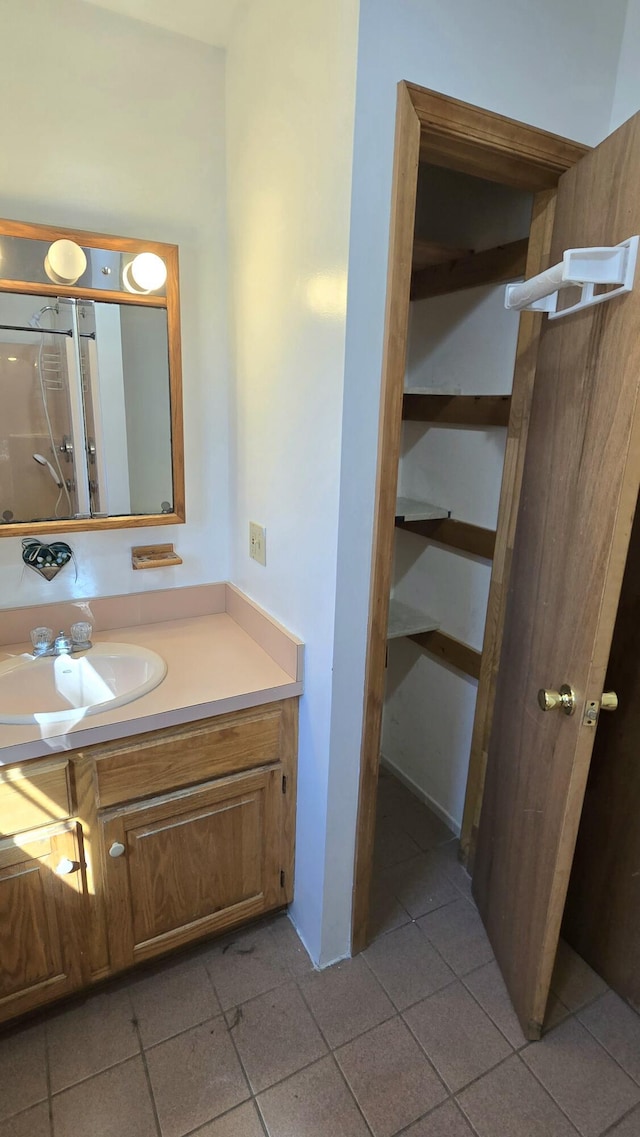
579,268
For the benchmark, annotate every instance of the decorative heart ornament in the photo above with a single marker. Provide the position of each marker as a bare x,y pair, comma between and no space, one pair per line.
48,560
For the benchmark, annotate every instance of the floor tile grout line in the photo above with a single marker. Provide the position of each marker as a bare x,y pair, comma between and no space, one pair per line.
334,1059
330,1049
614,1124
549,1094
351,1093
152,1096
453,1093
47,1061
93,1074
576,1015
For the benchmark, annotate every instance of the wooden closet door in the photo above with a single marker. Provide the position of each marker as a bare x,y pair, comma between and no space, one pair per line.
579,494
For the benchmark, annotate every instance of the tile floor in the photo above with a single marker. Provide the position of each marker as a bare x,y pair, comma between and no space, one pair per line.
242,1038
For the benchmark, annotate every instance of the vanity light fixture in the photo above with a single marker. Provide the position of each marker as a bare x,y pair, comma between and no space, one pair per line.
145,273
65,262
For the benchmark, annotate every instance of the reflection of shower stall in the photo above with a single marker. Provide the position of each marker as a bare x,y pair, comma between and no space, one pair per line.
48,380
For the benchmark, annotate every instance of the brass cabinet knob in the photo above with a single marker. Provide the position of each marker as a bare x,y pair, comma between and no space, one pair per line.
117,849
609,701
564,699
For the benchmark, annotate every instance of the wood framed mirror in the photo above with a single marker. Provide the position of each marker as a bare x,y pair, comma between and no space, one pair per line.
91,425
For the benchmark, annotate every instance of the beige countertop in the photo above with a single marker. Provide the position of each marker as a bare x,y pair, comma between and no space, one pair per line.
213,666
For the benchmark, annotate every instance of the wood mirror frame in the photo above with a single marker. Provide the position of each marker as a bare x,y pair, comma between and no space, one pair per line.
170,302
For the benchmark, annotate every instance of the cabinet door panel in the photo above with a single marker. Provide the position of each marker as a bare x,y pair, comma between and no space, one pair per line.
40,918
193,862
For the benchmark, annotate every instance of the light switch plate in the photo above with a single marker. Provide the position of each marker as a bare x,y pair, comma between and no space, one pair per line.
258,543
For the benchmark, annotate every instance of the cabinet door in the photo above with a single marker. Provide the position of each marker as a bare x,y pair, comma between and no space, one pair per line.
191,863
41,917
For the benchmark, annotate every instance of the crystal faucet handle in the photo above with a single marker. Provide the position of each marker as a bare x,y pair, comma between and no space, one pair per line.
41,638
81,632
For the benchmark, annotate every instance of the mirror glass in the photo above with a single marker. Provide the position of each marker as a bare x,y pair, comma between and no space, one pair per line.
85,428
90,381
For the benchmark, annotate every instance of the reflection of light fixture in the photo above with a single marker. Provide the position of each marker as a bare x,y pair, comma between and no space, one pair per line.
145,273
12,358
65,262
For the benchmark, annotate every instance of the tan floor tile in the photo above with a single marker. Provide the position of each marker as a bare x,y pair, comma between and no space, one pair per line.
458,933
509,1101
445,1121
275,1036
115,1103
616,1027
487,986
447,856
195,1077
457,1035
426,829
290,947
421,885
586,1083
392,844
23,1070
313,1103
34,1123
390,1077
385,911
407,966
173,998
90,1037
346,1000
573,980
241,1122
246,964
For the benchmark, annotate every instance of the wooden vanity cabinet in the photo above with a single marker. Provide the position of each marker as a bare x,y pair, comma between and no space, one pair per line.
155,841
191,863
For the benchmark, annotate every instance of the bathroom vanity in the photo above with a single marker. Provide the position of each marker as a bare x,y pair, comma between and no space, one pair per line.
130,842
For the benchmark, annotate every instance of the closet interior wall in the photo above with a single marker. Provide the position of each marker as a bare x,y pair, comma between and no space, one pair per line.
461,342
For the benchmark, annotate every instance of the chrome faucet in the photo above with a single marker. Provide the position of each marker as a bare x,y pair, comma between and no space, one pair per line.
45,644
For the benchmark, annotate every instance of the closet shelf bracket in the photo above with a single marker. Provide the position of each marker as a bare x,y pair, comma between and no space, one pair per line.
585,269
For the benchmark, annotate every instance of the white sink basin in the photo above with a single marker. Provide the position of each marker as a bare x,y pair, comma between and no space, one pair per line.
57,688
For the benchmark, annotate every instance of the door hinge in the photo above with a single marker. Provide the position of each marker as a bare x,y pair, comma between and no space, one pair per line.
284,783
282,878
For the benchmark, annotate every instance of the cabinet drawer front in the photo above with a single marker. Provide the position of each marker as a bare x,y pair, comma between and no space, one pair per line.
192,863
186,755
34,794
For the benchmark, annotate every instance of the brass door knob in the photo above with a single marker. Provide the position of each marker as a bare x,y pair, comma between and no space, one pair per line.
609,701
564,699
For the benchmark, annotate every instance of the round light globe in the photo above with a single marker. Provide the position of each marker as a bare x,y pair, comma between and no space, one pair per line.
147,272
65,262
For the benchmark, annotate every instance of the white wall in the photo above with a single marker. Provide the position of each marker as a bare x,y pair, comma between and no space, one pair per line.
552,64
627,93
290,96
123,132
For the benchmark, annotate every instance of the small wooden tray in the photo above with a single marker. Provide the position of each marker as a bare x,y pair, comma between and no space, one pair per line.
154,556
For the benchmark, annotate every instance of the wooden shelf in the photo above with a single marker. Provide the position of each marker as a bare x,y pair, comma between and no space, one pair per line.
491,266
409,509
457,410
455,534
452,651
429,253
407,621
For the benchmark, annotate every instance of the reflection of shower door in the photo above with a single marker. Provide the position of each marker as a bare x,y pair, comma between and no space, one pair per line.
37,433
